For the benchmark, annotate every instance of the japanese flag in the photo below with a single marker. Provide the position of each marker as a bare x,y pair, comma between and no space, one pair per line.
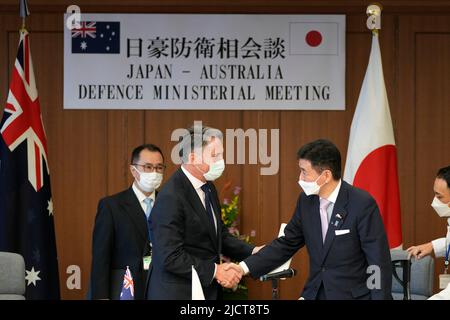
317,38
372,155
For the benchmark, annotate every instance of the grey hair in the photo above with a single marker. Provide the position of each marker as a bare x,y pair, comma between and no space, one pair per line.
197,137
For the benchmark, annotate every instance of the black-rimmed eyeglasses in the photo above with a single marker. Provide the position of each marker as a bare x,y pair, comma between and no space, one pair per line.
150,167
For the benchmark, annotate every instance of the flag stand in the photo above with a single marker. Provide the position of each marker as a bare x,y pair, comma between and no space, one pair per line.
275,283
374,19
23,13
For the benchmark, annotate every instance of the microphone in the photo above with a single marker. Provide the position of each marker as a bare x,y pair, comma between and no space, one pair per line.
288,273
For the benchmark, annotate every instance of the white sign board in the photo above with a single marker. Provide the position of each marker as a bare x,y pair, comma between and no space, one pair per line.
197,61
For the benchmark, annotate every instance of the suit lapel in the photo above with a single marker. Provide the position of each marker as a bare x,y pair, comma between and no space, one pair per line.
135,212
197,205
337,219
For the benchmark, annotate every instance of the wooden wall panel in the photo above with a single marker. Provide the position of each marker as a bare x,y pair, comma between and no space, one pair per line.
433,115
251,199
117,143
261,210
424,48
432,134
406,128
89,150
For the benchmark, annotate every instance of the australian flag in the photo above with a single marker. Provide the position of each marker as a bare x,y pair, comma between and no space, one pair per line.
127,292
26,205
96,37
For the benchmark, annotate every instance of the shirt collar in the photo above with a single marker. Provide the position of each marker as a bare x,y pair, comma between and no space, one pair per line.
333,196
196,183
140,195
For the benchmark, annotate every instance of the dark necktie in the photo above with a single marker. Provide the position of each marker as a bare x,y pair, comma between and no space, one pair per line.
208,202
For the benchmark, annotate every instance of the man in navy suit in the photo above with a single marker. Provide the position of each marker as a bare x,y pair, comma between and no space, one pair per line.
342,229
187,228
121,235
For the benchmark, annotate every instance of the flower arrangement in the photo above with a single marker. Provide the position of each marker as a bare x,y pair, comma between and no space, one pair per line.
230,215
231,219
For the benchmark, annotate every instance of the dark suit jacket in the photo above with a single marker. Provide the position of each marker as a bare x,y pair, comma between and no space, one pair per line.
120,239
340,264
184,236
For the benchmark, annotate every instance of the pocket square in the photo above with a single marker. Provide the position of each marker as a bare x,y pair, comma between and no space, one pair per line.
341,232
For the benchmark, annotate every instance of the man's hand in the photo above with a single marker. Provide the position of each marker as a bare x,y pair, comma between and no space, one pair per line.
228,275
235,267
256,249
420,251
239,269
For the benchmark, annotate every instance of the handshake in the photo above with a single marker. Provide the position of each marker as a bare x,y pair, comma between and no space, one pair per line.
228,275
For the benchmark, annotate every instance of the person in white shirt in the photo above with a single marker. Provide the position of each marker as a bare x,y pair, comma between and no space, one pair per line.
440,247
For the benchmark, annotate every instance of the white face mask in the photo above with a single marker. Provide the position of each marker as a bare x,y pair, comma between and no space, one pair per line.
310,187
442,209
149,181
215,170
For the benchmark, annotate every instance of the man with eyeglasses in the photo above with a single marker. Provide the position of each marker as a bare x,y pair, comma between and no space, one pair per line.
121,236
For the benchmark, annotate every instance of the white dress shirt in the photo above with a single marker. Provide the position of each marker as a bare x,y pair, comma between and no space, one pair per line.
440,245
442,295
197,184
332,199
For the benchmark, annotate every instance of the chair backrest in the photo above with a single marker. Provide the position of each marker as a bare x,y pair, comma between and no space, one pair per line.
421,279
12,276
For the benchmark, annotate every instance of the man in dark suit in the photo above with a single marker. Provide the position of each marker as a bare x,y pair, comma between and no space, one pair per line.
121,235
342,229
187,226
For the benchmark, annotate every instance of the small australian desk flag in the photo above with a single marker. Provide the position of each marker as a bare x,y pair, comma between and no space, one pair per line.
127,292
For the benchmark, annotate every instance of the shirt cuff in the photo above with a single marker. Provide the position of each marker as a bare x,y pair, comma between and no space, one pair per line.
439,247
215,270
244,267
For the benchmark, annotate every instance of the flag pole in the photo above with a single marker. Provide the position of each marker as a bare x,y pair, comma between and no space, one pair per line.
23,13
374,19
